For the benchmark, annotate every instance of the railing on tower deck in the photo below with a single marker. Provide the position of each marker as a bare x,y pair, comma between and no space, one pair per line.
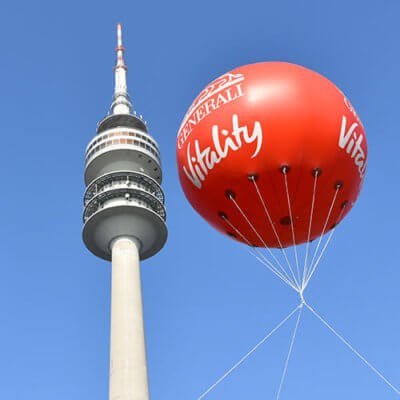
125,138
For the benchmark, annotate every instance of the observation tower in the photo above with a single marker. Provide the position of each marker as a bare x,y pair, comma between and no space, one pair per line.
124,222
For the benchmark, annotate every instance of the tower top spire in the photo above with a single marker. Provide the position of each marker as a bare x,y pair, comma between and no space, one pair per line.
120,50
121,103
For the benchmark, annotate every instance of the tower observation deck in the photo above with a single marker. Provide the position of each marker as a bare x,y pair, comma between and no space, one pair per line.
124,221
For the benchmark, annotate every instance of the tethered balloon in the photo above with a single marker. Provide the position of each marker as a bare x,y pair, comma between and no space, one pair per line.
272,154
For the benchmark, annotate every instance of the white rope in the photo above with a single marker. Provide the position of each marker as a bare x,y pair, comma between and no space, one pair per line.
323,229
264,260
292,225
309,231
286,277
308,272
248,354
352,349
273,228
259,236
313,268
280,276
290,352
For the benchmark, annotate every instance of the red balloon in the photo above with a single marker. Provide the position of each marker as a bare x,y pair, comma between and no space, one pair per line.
258,140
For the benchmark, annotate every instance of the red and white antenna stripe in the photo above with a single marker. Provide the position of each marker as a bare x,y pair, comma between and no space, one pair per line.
121,103
119,35
120,49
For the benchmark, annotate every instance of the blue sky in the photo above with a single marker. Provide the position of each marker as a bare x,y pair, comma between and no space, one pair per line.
206,301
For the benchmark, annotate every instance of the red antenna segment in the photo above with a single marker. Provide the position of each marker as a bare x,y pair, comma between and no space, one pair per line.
120,49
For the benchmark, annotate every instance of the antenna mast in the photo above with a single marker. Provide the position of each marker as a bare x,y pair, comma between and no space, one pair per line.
121,103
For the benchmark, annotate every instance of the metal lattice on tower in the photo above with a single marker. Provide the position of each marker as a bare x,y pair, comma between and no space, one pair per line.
124,221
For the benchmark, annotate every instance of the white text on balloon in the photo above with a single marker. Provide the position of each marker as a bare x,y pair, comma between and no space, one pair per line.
203,161
213,101
352,142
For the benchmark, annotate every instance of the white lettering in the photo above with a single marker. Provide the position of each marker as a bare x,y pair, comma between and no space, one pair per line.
204,108
351,141
203,161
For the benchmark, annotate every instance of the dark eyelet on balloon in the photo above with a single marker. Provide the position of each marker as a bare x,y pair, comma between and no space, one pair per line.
284,169
338,185
222,215
344,204
316,172
252,177
333,226
231,234
230,194
285,220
